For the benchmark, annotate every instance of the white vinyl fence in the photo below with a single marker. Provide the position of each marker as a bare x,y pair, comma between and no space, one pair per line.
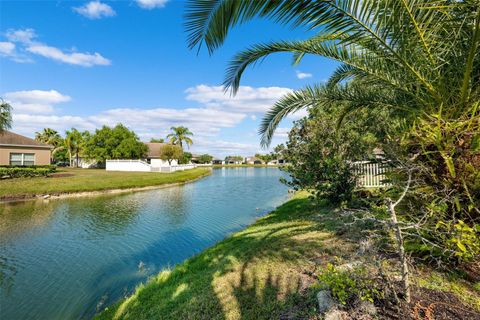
142,166
371,174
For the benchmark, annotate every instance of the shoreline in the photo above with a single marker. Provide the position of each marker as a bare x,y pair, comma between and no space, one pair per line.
79,194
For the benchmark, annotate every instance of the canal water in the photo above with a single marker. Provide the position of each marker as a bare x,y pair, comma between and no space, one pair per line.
69,258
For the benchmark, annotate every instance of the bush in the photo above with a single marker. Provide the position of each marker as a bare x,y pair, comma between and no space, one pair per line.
348,285
26,171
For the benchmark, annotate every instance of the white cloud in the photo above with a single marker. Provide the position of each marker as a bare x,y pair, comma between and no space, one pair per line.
253,117
7,48
26,38
28,124
76,58
35,101
202,121
95,10
282,133
247,99
35,110
303,75
151,4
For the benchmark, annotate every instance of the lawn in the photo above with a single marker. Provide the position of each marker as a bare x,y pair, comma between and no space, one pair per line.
81,180
262,272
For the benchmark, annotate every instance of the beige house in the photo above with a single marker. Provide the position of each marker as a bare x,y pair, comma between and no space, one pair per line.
153,154
22,151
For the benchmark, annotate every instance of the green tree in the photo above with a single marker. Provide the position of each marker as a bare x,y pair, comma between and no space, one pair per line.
265,157
205,158
320,159
185,158
171,152
233,158
5,116
180,135
114,143
154,140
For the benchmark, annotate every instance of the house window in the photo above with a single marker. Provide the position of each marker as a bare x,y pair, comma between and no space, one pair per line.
22,159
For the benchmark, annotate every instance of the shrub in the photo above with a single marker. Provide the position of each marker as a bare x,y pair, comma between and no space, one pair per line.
346,285
26,171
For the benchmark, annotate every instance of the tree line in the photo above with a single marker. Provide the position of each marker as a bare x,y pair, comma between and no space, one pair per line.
116,142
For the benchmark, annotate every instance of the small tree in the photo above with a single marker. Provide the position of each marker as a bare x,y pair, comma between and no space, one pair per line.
205,158
185,158
154,140
171,152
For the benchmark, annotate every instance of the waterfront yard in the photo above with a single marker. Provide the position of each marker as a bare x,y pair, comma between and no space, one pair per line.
267,272
70,180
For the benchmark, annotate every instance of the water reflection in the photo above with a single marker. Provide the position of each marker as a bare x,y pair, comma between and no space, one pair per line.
64,259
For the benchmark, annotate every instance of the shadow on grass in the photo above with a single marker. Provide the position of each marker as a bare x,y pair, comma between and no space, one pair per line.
254,274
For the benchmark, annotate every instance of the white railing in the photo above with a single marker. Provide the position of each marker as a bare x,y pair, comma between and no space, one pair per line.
370,174
127,165
180,167
140,165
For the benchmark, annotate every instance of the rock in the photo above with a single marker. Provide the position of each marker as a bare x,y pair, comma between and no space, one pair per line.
335,314
46,196
367,307
325,301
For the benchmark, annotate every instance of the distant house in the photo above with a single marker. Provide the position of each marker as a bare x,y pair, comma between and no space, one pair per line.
253,160
19,150
153,155
218,161
233,160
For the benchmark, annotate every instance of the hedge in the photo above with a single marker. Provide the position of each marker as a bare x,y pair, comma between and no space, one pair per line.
25,171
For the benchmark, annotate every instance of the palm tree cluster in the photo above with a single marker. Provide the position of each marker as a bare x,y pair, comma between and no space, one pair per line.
72,143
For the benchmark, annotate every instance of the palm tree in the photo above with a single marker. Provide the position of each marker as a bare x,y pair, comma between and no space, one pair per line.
179,135
5,116
48,136
420,57
51,137
74,142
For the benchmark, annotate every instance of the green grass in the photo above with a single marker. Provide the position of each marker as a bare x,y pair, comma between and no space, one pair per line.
259,273
80,180
254,274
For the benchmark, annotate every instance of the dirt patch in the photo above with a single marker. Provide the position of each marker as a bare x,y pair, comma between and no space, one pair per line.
429,304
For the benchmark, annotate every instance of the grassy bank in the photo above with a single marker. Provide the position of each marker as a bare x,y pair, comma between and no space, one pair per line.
84,180
262,272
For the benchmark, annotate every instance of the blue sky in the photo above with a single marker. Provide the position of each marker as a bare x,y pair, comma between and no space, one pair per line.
84,64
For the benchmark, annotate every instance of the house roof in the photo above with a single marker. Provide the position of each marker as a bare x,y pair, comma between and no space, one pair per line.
8,138
154,149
